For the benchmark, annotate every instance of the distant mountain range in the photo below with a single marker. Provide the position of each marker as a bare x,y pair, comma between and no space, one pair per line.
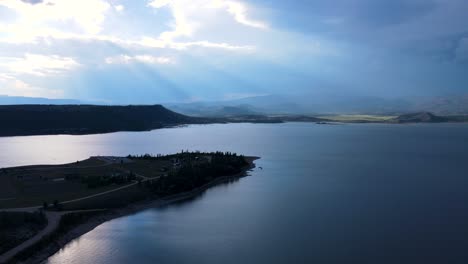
19,100
22,100
427,117
306,104
320,104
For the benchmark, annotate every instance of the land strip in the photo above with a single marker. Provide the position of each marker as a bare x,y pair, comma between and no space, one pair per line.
200,170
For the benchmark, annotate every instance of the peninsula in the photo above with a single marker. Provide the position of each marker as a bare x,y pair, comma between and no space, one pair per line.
49,205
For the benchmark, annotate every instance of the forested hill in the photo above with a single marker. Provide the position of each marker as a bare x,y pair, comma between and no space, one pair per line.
86,119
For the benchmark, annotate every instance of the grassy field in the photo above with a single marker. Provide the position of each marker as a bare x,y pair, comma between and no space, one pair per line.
33,185
117,199
358,118
106,182
17,227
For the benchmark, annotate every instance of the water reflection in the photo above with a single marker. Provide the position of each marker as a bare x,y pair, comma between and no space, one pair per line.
221,185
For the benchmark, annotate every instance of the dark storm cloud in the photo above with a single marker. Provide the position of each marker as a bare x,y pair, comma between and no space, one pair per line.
383,13
357,15
410,26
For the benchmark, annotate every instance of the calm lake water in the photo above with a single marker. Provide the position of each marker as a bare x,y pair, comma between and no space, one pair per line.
362,193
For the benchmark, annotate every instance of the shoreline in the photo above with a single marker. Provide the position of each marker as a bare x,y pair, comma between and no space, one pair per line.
328,122
111,214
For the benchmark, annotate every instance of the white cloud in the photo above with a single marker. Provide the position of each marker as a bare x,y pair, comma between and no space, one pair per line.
12,70
153,60
88,15
207,44
119,8
39,65
239,11
158,43
159,3
188,15
182,25
43,22
11,86
148,59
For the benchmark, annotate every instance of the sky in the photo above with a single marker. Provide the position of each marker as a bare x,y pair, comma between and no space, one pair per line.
153,51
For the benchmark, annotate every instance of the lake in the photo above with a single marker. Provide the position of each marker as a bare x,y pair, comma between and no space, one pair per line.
355,193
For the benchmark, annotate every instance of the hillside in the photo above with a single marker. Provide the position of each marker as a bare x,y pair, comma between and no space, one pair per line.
85,119
421,117
326,104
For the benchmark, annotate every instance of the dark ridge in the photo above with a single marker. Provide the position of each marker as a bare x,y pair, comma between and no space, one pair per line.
421,117
272,119
86,119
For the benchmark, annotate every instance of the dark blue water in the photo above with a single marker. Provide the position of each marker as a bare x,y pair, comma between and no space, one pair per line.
326,194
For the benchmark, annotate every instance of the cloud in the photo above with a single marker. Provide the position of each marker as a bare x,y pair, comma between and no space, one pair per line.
119,8
159,3
232,46
239,11
208,44
158,43
190,15
33,2
148,59
39,65
12,86
46,22
87,15
182,25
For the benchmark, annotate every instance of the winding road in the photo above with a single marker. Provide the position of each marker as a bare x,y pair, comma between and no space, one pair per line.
53,218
